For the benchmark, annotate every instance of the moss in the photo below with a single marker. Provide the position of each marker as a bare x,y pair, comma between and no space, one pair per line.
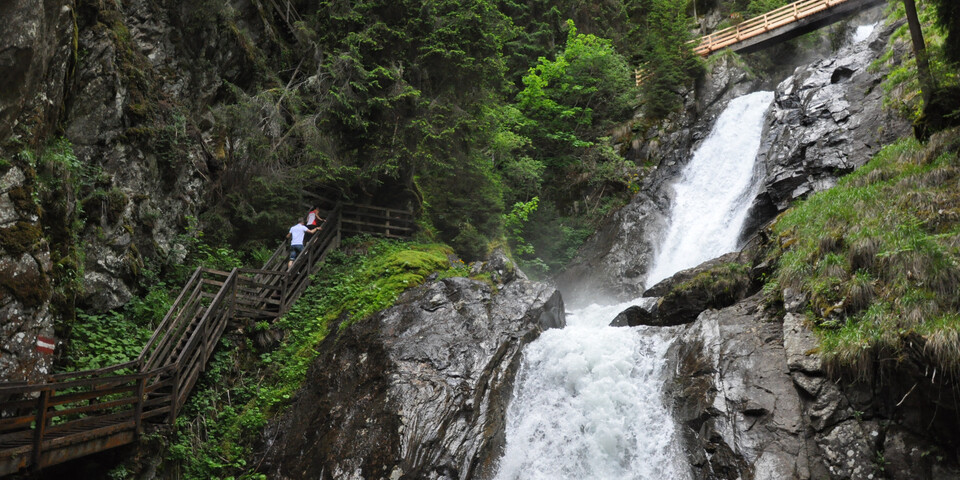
22,237
23,201
30,293
116,202
722,285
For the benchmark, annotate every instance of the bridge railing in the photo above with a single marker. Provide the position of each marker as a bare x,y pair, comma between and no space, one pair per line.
761,24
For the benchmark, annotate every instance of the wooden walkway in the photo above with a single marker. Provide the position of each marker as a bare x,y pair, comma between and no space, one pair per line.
780,25
80,413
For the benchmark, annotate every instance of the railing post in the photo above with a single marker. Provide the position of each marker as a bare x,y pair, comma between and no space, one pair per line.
175,395
40,427
283,292
388,222
138,411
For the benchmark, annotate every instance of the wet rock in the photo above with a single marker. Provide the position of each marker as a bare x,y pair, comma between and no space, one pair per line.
714,284
732,394
827,119
417,391
634,316
800,345
682,276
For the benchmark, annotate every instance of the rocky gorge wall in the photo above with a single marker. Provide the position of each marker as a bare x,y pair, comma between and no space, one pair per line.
128,87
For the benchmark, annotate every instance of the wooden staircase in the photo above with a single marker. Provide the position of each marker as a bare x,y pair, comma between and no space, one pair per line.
79,413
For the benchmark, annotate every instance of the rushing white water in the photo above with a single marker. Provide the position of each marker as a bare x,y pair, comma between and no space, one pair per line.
587,405
863,32
588,401
715,190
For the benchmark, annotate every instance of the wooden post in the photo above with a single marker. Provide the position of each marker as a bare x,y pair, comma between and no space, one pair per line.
388,221
138,411
176,395
40,428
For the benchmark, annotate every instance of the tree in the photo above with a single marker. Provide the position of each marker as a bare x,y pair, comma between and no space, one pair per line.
669,63
573,99
919,51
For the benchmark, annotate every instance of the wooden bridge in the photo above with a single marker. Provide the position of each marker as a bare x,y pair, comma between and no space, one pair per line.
780,25
80,413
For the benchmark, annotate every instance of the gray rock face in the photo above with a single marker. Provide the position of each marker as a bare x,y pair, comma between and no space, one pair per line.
753,400
827,119
738,411
419,390
34,44
34,38
25,267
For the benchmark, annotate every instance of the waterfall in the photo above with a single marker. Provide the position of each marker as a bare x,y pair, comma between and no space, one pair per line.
587,402
715,190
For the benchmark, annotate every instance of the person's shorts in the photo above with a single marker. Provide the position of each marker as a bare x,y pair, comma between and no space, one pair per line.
295,250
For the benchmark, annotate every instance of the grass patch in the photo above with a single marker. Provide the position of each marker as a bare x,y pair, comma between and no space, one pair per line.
878,257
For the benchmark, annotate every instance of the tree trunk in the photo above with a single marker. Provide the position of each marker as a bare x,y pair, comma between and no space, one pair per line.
920,52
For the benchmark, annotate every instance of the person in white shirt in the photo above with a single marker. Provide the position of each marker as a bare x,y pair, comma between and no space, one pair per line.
296,240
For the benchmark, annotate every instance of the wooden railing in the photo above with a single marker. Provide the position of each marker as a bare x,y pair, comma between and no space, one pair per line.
762,24
79,413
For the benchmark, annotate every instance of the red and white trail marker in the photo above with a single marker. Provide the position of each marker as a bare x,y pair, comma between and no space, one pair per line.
46,345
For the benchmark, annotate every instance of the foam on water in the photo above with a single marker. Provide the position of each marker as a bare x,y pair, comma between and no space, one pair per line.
863,32
588,405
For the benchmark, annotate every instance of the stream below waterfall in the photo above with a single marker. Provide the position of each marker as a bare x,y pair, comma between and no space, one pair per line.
588,401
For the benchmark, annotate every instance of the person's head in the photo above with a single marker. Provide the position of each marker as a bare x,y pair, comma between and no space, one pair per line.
316,209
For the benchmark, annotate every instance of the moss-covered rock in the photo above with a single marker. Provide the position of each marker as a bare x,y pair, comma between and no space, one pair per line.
22,237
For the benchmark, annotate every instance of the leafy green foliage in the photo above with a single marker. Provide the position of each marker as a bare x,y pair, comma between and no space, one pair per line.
102,340
901,86
759,7
571,100
879,256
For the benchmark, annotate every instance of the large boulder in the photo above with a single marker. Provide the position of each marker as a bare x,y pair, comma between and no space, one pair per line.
417,391
716,283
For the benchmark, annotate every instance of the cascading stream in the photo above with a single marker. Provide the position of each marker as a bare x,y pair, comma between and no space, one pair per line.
588,398
715,190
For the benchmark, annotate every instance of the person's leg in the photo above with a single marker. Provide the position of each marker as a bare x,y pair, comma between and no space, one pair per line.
294,251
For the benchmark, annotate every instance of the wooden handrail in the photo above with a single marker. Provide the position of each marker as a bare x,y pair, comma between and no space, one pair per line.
107,403
761,24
